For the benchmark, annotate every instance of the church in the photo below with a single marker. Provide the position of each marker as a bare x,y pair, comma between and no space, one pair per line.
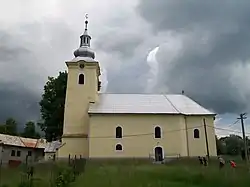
157,126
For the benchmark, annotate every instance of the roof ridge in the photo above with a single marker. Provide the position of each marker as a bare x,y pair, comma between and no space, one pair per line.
22,141
36,143
172,104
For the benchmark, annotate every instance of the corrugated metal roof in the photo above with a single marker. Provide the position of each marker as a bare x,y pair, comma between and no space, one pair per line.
51,147
148,104
22,142
11,140
187,106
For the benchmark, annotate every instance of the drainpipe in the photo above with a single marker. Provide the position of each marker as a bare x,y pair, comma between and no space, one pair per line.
185,119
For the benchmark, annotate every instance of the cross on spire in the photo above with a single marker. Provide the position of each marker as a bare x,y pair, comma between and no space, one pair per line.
86,21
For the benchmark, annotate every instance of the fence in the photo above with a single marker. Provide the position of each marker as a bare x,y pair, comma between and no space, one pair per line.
166,157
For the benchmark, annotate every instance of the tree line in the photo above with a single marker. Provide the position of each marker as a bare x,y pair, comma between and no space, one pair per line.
231,145
10,128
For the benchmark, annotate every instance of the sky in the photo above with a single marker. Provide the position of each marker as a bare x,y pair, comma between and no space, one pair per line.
148,46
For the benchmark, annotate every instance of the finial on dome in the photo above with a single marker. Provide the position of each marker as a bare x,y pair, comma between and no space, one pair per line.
84,49
86,21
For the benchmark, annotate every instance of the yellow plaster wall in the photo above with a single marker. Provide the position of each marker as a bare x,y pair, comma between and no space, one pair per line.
78,97
177,135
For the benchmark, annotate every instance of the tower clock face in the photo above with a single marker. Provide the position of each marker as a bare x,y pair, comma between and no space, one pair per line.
81,66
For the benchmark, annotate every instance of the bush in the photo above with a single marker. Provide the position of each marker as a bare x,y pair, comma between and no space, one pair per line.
63,176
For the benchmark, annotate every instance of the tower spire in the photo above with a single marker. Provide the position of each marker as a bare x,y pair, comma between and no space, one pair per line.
84,49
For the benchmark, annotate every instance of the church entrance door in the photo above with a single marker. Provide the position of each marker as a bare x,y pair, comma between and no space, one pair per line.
158,154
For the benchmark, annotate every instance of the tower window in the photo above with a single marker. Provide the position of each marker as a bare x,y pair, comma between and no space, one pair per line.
196,133
81,79
157,132
118,132
118,147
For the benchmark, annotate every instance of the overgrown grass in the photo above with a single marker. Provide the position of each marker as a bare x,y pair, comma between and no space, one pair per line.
137,173
177,174
12,177
45,175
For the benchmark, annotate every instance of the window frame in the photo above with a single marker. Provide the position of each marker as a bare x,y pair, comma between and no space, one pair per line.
157,126
195,131
18,153
120,145
13,153
120,132
29,153
84,80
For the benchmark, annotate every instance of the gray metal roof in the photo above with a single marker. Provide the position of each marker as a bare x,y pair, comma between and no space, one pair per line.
148,104
51,147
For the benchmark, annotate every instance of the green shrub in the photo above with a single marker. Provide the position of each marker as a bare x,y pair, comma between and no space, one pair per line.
63,176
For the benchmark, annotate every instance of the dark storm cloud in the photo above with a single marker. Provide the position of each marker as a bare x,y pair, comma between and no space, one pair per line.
124,39
123,42
16,99
18,102
130,79
27,53
215,39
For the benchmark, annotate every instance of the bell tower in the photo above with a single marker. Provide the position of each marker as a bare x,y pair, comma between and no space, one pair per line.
82,89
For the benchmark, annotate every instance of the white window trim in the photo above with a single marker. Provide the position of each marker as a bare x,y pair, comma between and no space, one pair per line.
115,131
199,134
163,152
119,151
154,132
78,79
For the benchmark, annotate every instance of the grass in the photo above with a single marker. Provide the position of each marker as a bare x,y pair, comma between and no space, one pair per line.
186,173
13,176
127,173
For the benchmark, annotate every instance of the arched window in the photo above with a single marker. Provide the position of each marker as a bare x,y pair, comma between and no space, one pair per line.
196,133
118,132
118,147
157,132
81,79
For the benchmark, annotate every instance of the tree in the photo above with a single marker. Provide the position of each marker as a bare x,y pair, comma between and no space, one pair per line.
52,106
221,146
2,129
10,127
231,145
30,130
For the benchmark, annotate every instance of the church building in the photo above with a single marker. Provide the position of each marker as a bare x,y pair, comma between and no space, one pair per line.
100,125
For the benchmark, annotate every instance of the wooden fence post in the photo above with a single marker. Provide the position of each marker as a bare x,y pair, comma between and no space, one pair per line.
69,160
